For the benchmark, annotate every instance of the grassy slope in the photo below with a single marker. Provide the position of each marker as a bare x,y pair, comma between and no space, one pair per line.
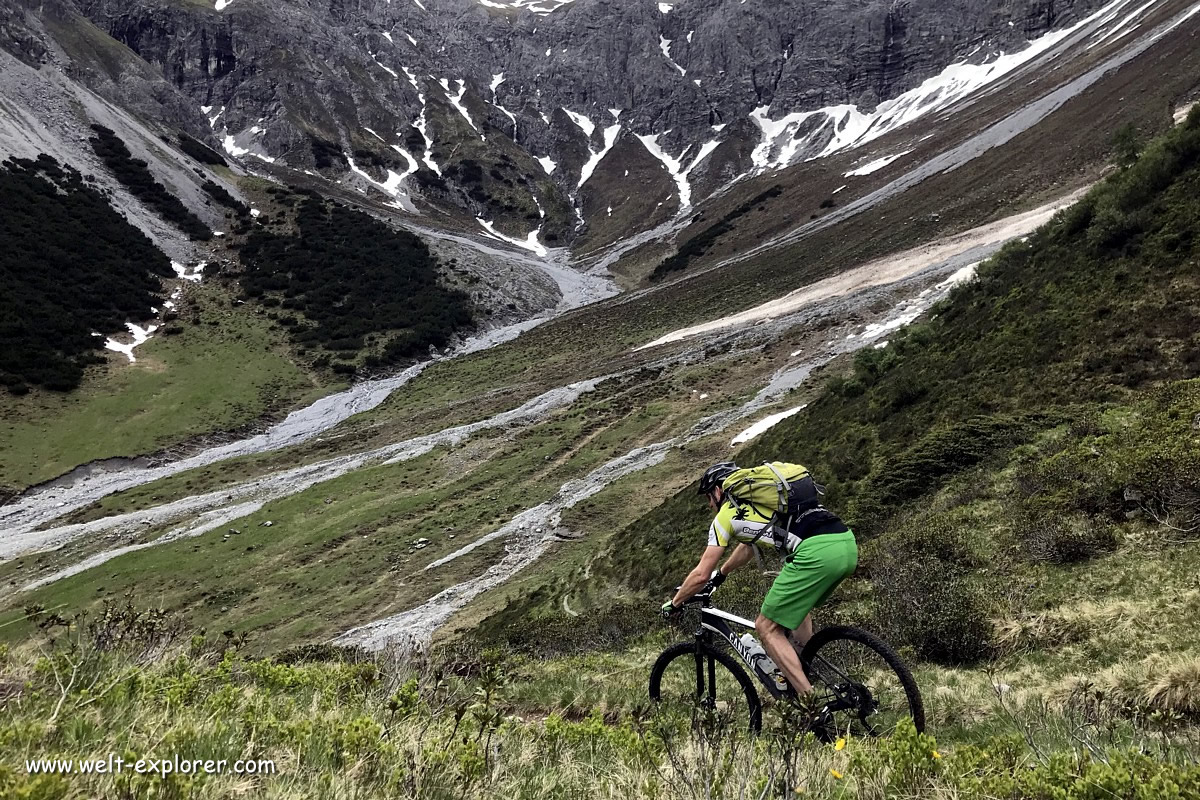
340,553
181,386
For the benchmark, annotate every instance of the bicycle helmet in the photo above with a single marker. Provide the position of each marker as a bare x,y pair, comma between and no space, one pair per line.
714,475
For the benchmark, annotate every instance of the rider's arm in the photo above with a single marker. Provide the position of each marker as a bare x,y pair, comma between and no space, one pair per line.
696,579
741,554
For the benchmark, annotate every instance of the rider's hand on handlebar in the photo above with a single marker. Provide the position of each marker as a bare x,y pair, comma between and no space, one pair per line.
669,610
714,580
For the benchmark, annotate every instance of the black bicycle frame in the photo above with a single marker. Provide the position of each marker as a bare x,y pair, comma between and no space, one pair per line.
714,620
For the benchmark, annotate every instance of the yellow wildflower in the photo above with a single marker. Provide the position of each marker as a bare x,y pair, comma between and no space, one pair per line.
835,774
841,745
936,754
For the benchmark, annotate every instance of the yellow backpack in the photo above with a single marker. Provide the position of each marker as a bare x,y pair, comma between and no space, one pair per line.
775,490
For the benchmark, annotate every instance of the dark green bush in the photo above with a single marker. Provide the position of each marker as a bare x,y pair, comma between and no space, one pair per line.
327,155
135,175
200,151
351,275
700,244
943,617
69,266
926,590
217,192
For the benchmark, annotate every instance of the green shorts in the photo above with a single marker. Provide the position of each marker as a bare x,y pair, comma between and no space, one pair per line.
809,576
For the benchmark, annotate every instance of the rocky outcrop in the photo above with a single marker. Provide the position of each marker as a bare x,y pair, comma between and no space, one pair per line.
356,77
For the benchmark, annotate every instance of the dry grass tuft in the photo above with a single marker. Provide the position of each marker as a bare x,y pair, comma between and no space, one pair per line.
1176,689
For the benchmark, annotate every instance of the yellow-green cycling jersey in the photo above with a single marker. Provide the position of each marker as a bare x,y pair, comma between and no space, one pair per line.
727,527
747,525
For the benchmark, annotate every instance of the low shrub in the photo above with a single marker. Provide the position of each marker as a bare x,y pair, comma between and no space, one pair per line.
1066,541
926,593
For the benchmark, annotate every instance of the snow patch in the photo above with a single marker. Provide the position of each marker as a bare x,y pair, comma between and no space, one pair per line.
194,274
393,186
586,125
1122,28
530,242
664,44
547,163
456,101
498,79
876,165
610,138
140,336
664,8
814,134
422,125
388,70
765,424
675,166
231,147
906,313
540,7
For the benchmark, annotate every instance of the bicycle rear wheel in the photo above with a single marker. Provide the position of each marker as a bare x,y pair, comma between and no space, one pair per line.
865,686
691,677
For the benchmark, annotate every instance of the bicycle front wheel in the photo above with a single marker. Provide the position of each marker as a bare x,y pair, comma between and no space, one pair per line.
692,679
865,687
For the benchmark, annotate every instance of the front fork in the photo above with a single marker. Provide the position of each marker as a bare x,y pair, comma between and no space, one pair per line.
703,653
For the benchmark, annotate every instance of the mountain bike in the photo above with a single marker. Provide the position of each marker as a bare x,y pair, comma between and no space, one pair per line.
860,686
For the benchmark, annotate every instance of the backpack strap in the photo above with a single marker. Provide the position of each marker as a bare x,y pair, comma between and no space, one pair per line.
781,484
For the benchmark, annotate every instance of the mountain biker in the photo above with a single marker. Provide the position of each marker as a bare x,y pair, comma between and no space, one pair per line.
821,552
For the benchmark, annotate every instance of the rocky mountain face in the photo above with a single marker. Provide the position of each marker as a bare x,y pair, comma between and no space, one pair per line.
531,116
